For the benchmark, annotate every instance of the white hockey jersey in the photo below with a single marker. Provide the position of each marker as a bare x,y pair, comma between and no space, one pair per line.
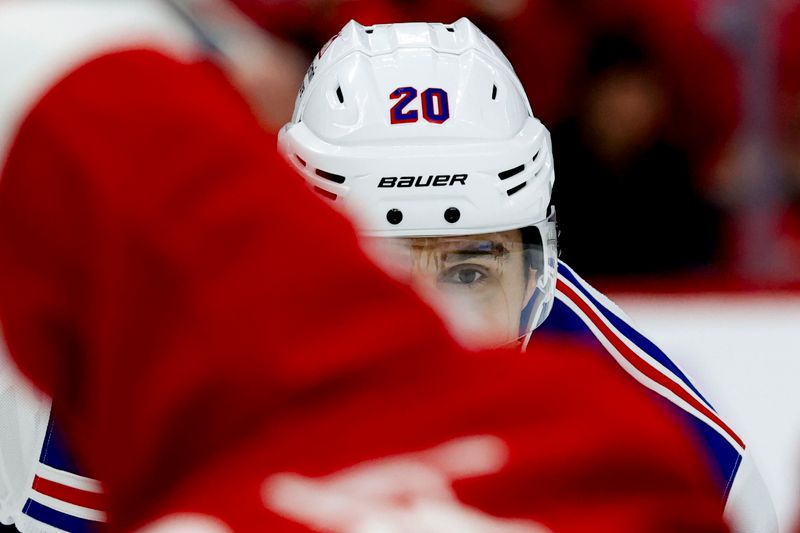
40,488
582,313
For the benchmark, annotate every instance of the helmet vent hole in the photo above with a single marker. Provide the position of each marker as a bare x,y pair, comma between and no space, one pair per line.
452,215
339,94
515,190
336,178
450,29
394,216
535,155
369,30
511,172
494,92
300,160
327,194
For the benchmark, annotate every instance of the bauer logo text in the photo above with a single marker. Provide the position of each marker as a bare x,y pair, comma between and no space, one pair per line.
442,180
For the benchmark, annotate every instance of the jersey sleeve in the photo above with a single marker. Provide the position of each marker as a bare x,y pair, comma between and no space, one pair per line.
24,414
218,344
749,506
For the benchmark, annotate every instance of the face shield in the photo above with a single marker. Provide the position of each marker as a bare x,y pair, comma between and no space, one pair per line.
491,289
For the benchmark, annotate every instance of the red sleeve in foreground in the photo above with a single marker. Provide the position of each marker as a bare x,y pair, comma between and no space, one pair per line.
207,326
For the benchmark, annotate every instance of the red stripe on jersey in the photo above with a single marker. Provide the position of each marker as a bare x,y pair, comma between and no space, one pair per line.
642,366
65,493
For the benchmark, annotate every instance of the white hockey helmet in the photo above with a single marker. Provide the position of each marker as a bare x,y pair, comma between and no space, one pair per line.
423,131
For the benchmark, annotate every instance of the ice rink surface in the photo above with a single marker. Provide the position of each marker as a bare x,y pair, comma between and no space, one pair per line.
744,353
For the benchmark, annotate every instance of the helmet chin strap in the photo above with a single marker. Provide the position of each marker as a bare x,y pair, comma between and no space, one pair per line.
536,319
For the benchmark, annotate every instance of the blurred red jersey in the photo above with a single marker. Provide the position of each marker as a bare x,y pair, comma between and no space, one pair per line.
220,345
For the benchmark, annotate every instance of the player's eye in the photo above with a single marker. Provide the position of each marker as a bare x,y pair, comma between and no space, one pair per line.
464,275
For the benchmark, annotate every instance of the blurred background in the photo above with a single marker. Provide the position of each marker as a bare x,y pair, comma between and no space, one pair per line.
676,132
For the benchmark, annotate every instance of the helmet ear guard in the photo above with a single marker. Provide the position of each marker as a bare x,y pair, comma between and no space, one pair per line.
424,130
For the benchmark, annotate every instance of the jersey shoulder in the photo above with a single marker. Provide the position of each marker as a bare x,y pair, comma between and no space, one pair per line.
581,312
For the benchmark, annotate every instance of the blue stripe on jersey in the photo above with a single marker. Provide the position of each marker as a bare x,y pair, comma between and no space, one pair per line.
634,336
57,519
54,452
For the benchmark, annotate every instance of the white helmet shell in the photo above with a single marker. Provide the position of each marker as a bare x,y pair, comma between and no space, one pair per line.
421,129
424,130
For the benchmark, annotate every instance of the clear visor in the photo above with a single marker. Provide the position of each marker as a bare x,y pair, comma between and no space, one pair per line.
491,289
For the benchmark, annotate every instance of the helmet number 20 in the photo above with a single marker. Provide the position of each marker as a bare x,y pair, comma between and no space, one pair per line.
435,105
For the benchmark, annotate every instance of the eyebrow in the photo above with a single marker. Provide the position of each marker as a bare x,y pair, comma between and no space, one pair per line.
481,249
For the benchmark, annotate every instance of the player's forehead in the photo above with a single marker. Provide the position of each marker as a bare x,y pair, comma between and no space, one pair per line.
496,243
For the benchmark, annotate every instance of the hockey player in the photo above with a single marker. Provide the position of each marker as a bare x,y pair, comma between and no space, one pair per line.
423,133
166,279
